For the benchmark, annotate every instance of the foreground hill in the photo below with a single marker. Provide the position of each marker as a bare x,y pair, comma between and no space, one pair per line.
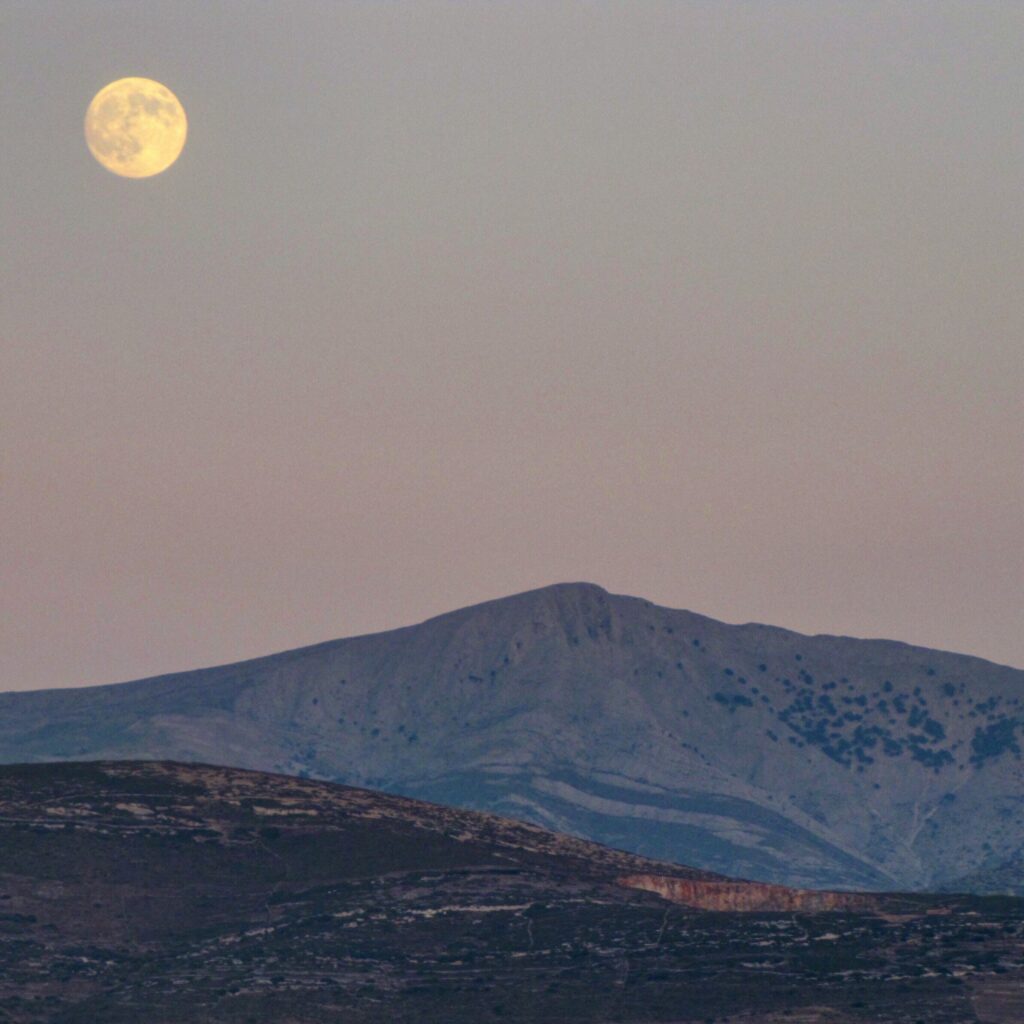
754,751
172,893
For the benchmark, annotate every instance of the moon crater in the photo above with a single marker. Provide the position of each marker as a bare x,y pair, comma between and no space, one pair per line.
135,127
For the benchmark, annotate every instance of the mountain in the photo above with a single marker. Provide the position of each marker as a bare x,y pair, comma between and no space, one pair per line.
823,762
1005,878
175,893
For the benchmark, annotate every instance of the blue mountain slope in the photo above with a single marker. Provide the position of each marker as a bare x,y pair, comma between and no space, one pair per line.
749,750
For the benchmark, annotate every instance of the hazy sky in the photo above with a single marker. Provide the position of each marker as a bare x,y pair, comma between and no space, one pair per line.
720,304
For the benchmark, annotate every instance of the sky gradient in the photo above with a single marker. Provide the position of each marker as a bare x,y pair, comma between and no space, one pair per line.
715,304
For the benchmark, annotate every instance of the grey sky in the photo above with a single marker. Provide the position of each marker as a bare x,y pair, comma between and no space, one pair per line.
718,304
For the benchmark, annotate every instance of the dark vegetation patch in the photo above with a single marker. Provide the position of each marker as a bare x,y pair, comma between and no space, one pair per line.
995,740
732,701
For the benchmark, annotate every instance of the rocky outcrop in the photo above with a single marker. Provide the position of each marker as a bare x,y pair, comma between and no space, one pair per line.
746,896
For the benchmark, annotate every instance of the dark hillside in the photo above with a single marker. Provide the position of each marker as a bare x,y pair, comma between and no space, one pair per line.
172,893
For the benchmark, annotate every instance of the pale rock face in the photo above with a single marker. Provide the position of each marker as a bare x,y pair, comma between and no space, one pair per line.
748,750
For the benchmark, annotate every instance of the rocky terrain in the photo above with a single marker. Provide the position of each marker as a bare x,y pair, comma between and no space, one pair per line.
818,762
172,893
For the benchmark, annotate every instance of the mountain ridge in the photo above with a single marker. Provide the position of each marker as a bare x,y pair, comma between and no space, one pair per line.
815,761
479,605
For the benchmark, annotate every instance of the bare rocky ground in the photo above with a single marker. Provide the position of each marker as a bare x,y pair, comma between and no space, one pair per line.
169,893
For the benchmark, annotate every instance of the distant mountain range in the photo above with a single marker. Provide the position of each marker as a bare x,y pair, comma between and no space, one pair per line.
189,894
748,750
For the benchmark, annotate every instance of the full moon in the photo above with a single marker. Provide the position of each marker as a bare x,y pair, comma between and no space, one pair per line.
135,127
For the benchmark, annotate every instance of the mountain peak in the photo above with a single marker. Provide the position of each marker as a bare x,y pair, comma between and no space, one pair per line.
554,597
812,761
